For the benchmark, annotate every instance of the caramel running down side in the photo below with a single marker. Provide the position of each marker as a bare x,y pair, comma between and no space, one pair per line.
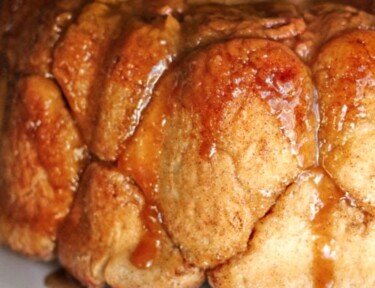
226,124
327,197
164,144
310,238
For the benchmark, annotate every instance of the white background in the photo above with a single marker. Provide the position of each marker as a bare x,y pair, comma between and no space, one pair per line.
19,272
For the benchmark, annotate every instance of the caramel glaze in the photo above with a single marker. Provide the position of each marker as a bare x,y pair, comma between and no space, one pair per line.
272,81
267,79
145,253
328,196
278,83
260,68
347,99
139,160
281,80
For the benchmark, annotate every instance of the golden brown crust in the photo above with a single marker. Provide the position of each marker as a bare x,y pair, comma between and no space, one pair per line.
229,126
217,126
111,60
43,156
142,57
80,57
104,228
282,249
344,73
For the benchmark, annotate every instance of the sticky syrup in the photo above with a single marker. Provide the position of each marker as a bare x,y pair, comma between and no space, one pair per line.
328,196
140,159
145,253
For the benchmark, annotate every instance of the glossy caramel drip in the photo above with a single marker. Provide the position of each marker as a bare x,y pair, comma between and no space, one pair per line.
140,159
328,196
145,253
213,82
147,248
